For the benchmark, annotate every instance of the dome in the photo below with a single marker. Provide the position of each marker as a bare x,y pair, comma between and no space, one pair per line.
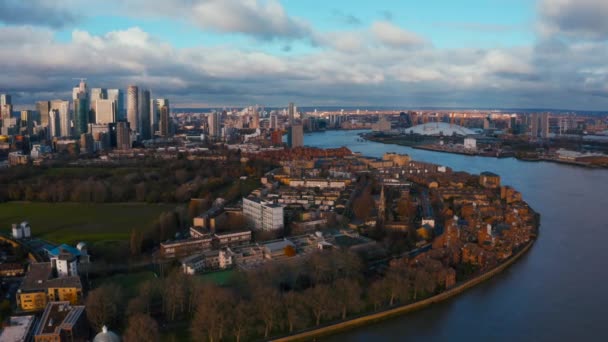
438,128
106,336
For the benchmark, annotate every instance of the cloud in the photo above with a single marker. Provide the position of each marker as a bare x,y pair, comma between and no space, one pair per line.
574,18
36,12
394,36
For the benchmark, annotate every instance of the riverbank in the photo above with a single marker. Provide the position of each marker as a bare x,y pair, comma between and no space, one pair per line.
479,154
372,318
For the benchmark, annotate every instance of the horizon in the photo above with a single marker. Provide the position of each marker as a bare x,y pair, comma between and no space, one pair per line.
209,53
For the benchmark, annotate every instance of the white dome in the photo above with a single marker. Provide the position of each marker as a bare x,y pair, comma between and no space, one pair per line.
106,336
438,128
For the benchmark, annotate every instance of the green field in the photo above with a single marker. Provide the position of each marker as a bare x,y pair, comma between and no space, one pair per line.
221,278
73,222
128,282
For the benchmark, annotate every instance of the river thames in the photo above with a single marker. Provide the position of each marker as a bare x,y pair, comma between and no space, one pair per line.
556,292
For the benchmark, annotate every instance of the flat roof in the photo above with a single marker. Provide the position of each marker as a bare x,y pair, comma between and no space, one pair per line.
39,275
18,329
58,316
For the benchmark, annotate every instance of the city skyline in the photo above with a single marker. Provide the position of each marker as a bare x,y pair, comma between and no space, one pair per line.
501,54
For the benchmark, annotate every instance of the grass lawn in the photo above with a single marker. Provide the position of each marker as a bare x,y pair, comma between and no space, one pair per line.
220,278
128,282
73,222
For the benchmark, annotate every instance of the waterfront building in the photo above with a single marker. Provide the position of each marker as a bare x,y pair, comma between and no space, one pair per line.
489,180
295,136
383,125
470,143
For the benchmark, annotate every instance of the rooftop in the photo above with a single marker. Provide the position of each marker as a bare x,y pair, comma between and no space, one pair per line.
58,316
39,276
18,329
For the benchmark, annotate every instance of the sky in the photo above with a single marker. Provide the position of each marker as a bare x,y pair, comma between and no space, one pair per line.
406,53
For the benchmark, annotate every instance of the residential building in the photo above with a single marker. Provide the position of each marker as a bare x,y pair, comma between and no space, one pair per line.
40,287
489,180
263,215
123,136
215,125
291,113
21,230
155,113
65,259
295,136
62,321
165,122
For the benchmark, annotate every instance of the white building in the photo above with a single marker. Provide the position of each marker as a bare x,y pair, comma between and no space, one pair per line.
22,230
105,111
470,143
263,215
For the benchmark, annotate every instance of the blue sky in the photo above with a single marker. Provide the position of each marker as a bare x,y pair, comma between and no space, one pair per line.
484,53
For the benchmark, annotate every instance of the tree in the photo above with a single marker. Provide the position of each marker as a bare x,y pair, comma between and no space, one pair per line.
104,305
174,294
241,318
268,304
212,312
295,310
377,293
348,296
141,328
397,283
321,302
135,242
363,204
423,281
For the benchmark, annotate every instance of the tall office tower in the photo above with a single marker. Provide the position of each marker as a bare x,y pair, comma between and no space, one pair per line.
81,88
5,99
105,111
274,121
133,108
534,125
291,112
6,111
215,125
123,135
65,124
155,106
117,96
165,122
544,125
54,123
145,125
98,94
295,136
27,121
255,118
43,108
81,114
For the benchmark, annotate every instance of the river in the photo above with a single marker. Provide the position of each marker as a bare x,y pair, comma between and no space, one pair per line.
556,292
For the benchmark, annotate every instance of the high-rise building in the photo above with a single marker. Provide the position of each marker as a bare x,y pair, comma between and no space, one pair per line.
123,135
295,136
5,99
155,106
105,111
145,124
43,108
81,114
98,94
274,121
544,125
133,107
165,122
6,111
65,123
54,123
215,125
27,121
117,96
255,118
534,125
291,112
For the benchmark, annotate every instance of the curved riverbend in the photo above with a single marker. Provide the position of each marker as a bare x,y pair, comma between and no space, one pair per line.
555,292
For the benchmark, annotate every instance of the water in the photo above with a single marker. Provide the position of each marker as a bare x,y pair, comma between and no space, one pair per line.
556,292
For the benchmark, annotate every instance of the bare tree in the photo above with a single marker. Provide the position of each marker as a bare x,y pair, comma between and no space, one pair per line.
321,302
295,310
104,305
268,304
347,294
141,328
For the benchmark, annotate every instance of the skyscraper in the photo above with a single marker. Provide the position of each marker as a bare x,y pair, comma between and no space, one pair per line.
123,135
295,136
81,115
105,111
133,107
65,123
165,122
544,125
117,96
145,123
98,94
6,106
274,121
534,125
215,125
54,123
155,113
291,112
43,108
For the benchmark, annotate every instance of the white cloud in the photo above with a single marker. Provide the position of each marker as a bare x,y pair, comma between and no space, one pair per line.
574,18
394,36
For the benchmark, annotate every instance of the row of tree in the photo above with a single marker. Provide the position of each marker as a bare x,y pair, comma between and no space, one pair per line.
268,301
